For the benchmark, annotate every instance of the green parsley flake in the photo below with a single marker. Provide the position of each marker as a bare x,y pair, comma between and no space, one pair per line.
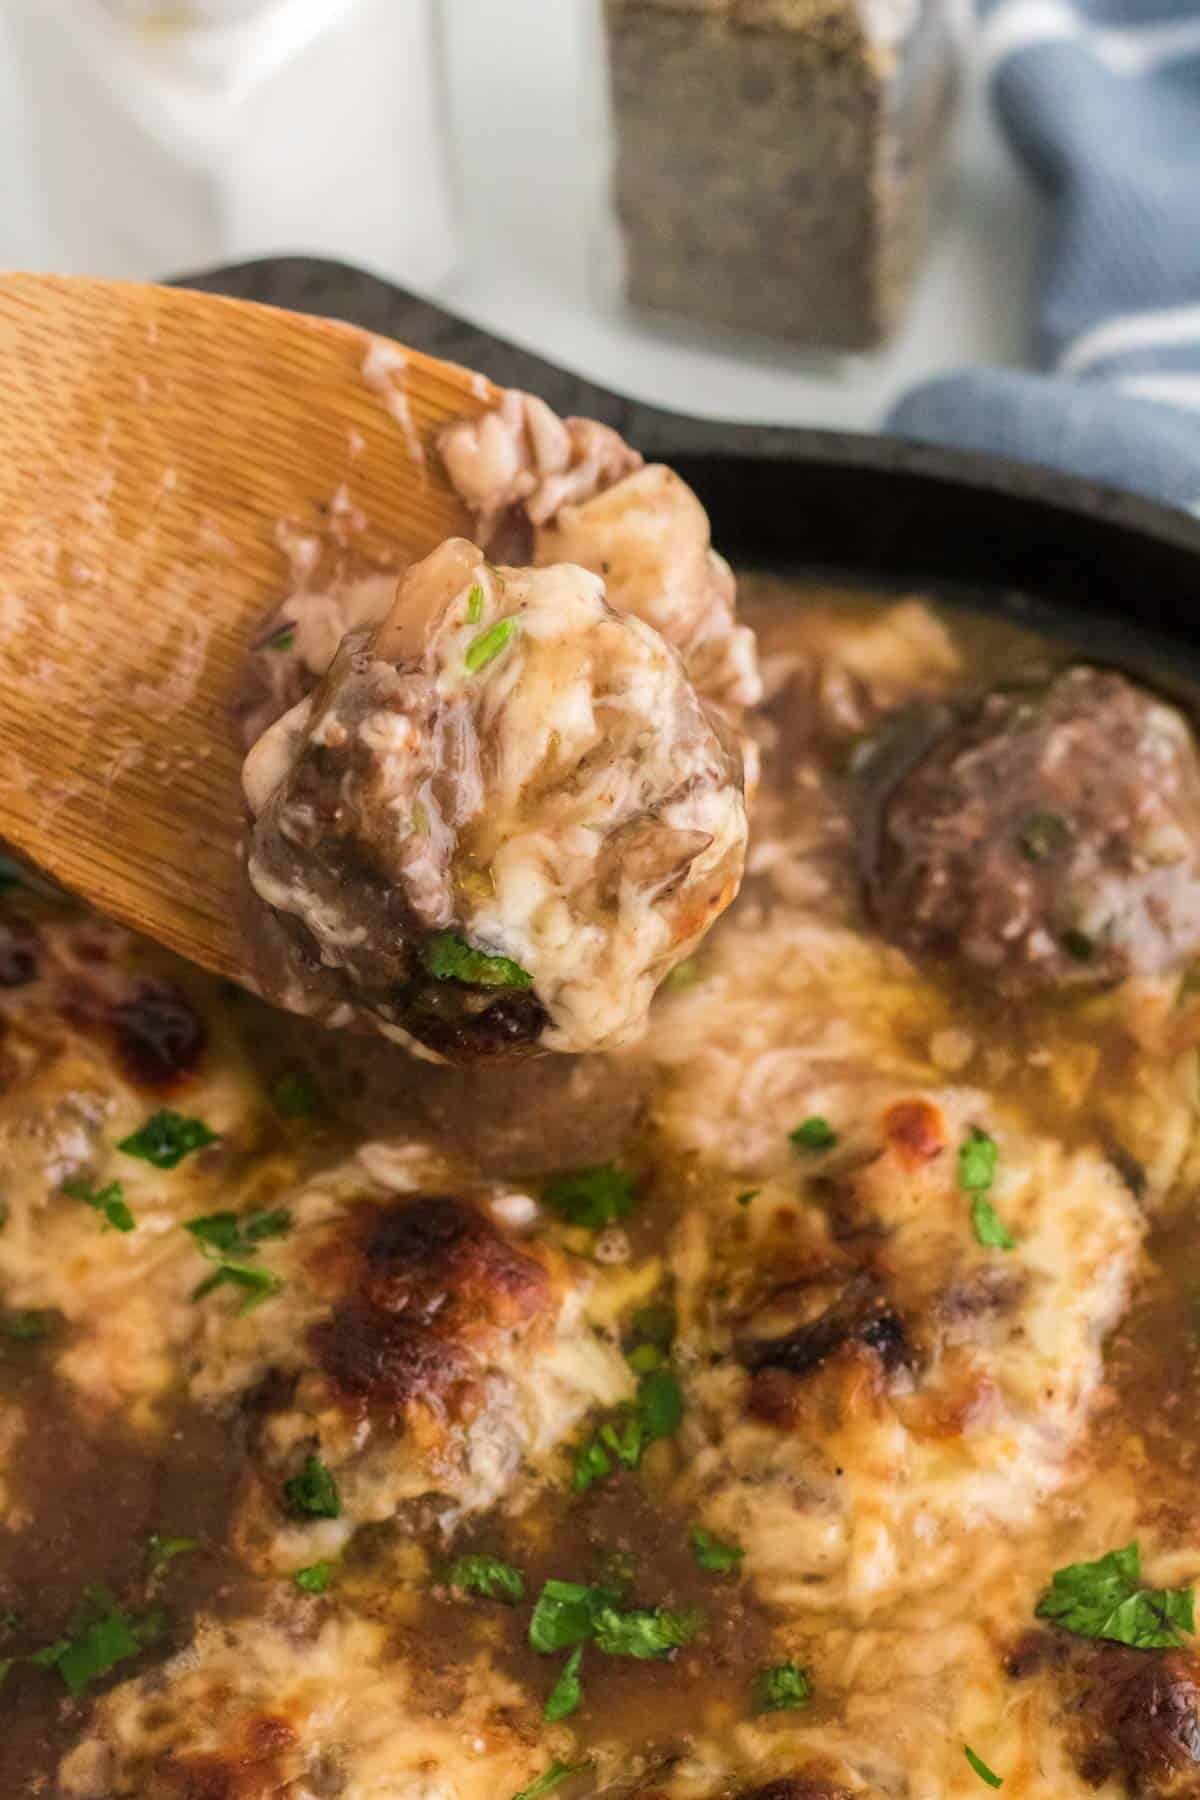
713,1553
166,1138
227,1239
448,957
644,1632
749,1195
981,1769
977,1161
161,1552
295,1096
593,1197
990,1230
644,1357
592,1464
474,604
315,1579
567,1692
565,1614
485,648
1103,1599
313,1493
684,974
659,1404
814,1133
108,1201
257,1284
100,1636
283,639
977,1158
488,1577
552,1777
782,1688
656,1413
222,1234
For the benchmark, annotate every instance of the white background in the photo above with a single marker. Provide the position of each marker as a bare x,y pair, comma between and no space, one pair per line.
535,262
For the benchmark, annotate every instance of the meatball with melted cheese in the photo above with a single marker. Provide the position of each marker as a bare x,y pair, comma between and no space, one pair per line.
499,821
426,1356
1049,839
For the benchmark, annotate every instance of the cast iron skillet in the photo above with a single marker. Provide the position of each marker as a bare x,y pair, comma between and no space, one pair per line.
1119,570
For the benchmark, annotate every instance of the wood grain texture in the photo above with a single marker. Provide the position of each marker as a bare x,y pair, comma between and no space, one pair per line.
153,441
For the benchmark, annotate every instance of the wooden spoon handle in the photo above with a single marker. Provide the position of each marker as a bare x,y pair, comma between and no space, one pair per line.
152,440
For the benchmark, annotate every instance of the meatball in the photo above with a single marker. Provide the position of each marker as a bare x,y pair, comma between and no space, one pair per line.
500,819
1051,838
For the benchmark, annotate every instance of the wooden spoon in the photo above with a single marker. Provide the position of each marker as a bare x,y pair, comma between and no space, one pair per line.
152,441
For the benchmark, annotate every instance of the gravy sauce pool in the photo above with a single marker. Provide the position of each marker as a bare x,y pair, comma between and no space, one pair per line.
95,1465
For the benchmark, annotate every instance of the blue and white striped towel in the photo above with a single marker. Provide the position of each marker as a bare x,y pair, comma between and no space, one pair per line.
1101,101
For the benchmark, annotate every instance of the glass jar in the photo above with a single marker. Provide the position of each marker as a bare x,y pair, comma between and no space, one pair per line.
775,159
171,137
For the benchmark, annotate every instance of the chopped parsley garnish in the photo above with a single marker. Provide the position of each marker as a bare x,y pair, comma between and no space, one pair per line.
1103,1599
485,648
814,1133
749,1195
474,604
713,1553
313,1493
568,1613
108,1201
981,1769
227,1238
659,1404
283,639
565,1614
315,1579
644,1357
222,1234
566,1693
1042,834
593,1197
656,1413
161,1551
25,1325
644,1632
977,1161
551,1778
1078,944
100,1636
592,1464
166,1138
977,1158
257,1284
684,974
448,957
782,1688
990,1230
488,1577
295,1096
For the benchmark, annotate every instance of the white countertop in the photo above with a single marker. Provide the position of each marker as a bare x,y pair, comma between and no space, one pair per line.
535,264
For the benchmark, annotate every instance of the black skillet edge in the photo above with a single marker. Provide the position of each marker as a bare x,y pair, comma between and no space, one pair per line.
864,504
